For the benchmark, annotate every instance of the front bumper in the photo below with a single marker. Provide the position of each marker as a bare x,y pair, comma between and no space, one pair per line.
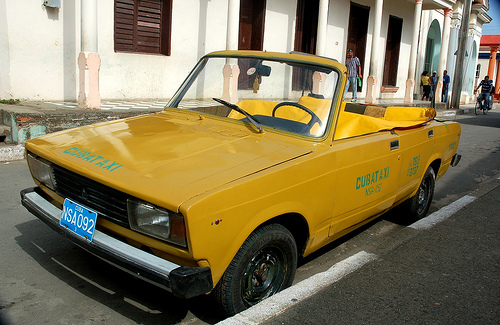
184,282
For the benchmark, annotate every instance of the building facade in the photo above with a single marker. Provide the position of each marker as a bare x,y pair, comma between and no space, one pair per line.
86,50
489,61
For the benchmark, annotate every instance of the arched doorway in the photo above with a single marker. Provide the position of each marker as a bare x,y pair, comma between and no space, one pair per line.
433,47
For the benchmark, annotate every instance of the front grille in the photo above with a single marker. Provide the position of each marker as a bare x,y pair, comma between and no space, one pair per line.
106,201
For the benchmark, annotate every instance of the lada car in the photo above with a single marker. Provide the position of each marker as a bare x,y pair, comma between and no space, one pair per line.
255,162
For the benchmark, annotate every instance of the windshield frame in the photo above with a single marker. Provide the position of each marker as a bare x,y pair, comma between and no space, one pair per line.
316,63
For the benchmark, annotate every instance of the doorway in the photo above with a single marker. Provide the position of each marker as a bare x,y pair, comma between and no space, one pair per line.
393,44
357,31
251,35
306,31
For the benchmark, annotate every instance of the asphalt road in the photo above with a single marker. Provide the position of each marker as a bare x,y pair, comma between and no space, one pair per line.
446,274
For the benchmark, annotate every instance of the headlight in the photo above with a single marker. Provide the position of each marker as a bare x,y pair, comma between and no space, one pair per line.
42,171
156,222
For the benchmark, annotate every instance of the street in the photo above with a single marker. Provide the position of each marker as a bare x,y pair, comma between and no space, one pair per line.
446,274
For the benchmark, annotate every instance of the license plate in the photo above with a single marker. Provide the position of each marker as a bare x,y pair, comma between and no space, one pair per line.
79,219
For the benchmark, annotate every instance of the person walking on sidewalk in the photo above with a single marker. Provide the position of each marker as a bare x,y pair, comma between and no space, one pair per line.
433,82
425,82
353,72
446,84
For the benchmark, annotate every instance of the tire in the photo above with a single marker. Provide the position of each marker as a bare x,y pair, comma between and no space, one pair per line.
417,206
477,108
264,265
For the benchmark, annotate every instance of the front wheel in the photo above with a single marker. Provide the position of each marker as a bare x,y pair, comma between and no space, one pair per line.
264,265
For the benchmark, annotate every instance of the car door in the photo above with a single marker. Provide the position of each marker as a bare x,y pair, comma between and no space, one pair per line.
367,171
417,145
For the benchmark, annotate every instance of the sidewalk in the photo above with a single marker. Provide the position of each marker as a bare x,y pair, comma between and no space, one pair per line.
28,120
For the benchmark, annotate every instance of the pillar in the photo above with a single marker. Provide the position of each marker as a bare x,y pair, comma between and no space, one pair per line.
410,82
443,55
493,59
322,28
231,70
88,59
371,82
233,20
497,79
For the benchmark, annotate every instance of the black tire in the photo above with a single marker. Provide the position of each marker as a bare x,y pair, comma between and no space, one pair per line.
417,206
264,265
477,108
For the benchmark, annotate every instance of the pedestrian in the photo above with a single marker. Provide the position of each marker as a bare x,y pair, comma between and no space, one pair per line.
433,82
446,84
354,71
426,85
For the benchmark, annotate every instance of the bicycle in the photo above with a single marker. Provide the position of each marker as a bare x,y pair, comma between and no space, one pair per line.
479,105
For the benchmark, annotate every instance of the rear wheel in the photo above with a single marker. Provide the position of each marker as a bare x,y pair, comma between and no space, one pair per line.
417,206
477,108
264,265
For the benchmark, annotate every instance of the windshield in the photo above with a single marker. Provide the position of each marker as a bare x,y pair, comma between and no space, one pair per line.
285,96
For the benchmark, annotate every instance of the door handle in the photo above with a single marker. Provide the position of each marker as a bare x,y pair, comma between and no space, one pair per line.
394,144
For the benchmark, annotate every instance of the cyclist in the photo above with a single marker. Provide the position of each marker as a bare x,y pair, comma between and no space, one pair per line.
487,90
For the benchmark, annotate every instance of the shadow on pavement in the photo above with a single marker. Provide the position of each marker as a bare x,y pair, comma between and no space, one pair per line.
135,299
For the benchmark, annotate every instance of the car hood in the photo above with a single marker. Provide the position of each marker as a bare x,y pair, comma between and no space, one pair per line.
166,158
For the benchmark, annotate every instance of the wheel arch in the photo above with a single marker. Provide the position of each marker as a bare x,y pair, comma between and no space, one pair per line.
436,165
296,224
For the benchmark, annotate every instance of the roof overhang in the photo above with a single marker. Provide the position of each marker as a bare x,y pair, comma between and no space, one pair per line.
490,40
481,8
437,4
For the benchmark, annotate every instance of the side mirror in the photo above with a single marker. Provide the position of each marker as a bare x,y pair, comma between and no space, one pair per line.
260,70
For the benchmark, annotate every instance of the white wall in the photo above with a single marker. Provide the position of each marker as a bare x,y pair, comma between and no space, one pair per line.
4,53
198,27
40,51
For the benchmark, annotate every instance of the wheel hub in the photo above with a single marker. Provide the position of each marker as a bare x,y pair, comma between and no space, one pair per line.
264,275
260,275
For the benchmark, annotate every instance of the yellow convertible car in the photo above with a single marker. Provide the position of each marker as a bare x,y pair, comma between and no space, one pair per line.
255,162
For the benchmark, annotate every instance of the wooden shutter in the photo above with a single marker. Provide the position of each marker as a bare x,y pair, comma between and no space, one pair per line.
143,26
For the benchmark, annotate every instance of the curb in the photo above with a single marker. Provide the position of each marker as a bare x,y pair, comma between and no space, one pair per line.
11,153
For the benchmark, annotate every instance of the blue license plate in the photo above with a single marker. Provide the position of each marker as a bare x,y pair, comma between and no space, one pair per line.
79,219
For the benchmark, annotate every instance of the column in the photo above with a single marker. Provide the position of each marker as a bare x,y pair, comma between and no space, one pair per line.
410,82
458,75
233,19
231,70
493,59
88,58
497,79
322,27
443,55
371,82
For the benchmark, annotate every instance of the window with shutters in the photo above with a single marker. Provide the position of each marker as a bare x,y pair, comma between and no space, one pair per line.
143,26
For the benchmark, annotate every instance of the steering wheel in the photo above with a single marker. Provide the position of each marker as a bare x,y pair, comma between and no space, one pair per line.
314,118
